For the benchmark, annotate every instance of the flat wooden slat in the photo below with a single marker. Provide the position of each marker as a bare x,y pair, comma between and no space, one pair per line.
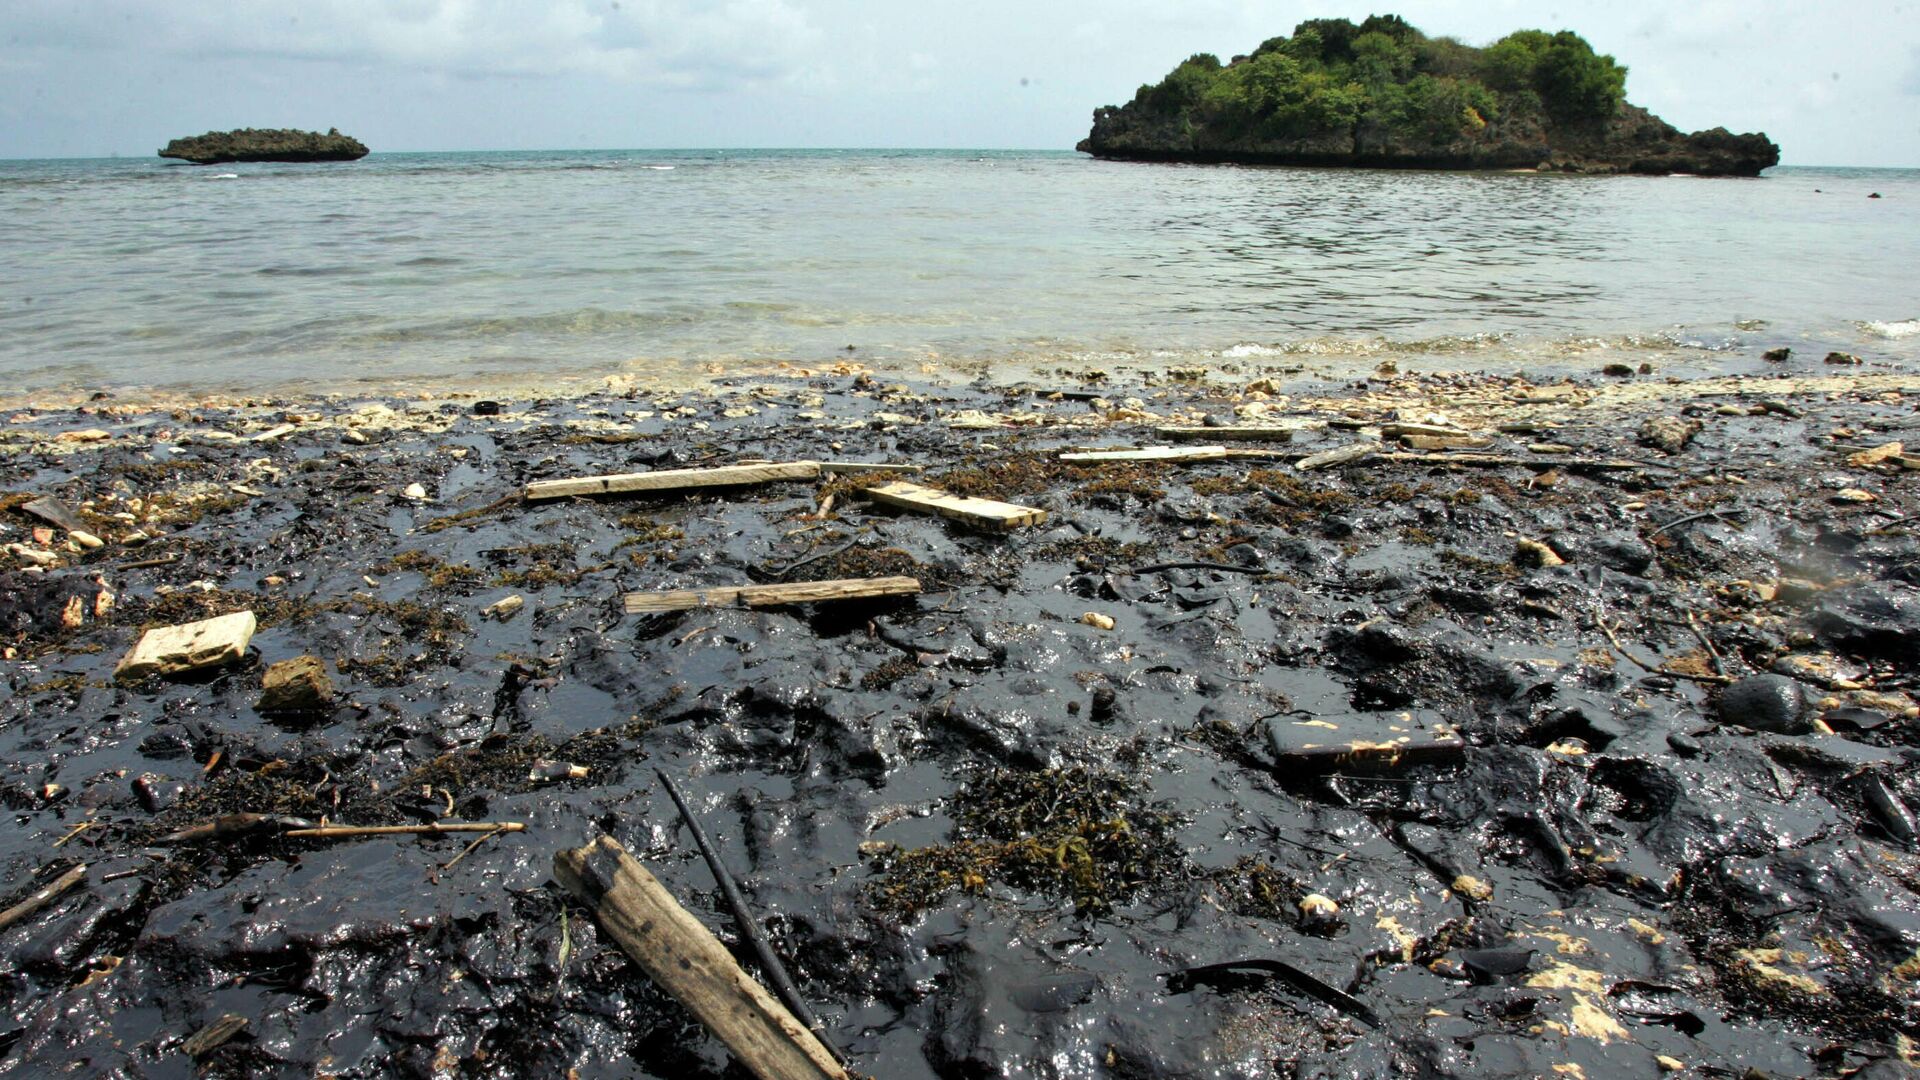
672,480
983,512
1227,434
798,592
688,962
1151,453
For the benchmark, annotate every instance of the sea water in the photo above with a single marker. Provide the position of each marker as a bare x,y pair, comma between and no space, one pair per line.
527,267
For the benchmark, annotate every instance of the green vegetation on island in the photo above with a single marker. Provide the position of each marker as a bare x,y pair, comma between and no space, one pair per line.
265,144
1382,93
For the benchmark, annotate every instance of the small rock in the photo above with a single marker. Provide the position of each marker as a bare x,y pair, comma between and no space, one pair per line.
1095,619
416,492
86,539
1777,356
1668,433
1536,554
1766,703
1855,495
1842,358
85,435
486,408
1102,708
297,685
1877,618
353,437
1618,371
1669,1064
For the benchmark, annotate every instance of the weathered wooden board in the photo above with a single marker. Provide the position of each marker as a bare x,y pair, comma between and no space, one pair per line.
1363,742
672,480
1341,455
1263,433
168,650
986,513
1445,442
1151,453
1432,431
688,962
798,592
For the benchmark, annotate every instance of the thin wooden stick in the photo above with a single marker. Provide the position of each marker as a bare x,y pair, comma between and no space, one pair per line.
1655,668
770,965
333,832
43,896
483,838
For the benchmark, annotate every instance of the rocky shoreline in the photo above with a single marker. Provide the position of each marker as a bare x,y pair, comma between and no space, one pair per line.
1554,725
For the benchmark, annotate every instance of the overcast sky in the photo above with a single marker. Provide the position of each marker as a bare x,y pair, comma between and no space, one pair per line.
1834,84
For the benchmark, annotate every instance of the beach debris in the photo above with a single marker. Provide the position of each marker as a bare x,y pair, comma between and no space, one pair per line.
32,556
1229,433
44,895
297,685
1668,433
53,512
1446,442
1776,356
1097,620
86,539
273,433
436,828
868,467
1151,453
504,608
213,1036
1855,495
236,826
545,771
689,963
1534,553
986,513
672,480
1343,455
170,650
1236,974
1415,430
1842,359
1890,812
1877,455
770,964
1380,742
754,596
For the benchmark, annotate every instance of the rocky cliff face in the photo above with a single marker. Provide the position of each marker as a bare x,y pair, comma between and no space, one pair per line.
252,144
1633,141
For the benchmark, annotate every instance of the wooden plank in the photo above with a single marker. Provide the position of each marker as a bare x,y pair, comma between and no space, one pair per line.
1342,455
986,513
44,895
672,480
1445,442
1433,431
167,650
1375,742
1228,434
867,467
798,592
1151,453
687,961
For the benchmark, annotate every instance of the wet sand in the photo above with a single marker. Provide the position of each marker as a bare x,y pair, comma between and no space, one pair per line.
982,829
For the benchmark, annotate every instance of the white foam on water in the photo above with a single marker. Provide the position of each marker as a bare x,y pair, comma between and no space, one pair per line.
225,176
1904,328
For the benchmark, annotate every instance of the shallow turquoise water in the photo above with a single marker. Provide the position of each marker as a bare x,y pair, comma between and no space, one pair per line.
533,265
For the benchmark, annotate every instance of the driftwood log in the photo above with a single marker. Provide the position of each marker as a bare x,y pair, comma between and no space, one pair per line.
688,962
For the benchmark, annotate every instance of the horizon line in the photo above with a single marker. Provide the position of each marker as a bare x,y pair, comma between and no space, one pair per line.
155,156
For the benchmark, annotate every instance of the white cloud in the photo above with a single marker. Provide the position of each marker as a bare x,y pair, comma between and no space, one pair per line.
665,43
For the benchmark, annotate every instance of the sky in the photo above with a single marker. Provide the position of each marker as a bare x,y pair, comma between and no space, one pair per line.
1834,84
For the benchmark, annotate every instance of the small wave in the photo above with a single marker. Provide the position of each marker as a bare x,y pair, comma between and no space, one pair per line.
225,176
1893,331
658,168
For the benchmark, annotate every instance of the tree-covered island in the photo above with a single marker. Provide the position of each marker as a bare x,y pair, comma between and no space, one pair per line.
1381,93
